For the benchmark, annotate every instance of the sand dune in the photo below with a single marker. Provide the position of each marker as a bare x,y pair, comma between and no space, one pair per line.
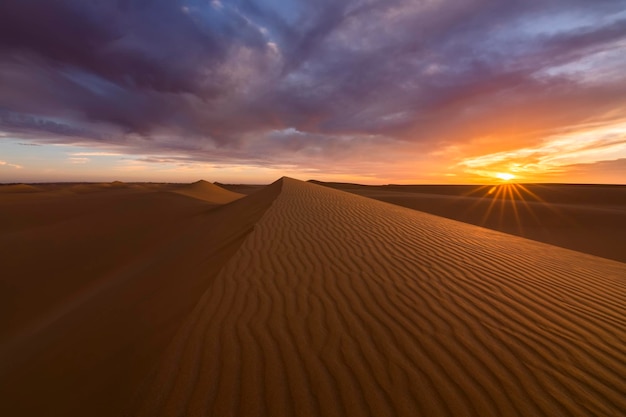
19,188
297,300
338,305
94,286
585,218
206,191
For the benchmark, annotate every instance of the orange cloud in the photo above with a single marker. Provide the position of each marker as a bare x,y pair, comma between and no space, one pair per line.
554,155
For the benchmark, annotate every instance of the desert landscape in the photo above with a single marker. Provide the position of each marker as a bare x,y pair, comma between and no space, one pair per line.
297,299
355,208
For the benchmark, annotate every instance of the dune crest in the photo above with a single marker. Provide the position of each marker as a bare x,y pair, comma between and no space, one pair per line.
337,305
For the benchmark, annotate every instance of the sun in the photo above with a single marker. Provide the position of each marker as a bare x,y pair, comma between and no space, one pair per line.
505,176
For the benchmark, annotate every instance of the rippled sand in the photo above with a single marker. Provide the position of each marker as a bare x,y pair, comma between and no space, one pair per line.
308,301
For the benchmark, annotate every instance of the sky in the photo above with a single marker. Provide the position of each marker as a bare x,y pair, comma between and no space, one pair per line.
368,91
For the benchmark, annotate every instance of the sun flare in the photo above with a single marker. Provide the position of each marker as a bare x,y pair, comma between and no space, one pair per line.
505,176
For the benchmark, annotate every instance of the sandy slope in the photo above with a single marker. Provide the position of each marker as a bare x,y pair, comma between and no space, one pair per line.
585,218
95,281
337,305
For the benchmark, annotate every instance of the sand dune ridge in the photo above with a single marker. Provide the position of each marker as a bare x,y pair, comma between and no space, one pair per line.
337,305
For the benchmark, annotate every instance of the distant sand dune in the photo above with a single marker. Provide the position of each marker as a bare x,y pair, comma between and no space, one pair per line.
338,305
18,188
206,191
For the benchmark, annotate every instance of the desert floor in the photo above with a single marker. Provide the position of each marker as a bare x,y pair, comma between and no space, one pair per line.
303,300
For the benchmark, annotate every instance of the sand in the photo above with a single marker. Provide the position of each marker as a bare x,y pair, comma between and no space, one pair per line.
586,218
301,300
208,192
95,282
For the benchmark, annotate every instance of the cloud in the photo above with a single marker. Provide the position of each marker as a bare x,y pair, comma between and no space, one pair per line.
95,154
602,172
75,160
557,153
8,165
311,83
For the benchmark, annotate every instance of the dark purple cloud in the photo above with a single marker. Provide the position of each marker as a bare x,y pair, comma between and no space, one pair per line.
265,80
